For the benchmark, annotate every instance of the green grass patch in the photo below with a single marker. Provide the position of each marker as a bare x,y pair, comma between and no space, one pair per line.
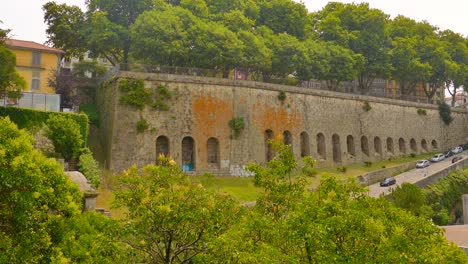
241,188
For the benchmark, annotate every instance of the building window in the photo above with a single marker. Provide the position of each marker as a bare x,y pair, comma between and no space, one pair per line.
36,80
36,58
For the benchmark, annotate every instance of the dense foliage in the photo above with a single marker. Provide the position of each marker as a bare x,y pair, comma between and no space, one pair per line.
439,201
11,83
268,39
65,135
171,219
34,193
33,120
90,167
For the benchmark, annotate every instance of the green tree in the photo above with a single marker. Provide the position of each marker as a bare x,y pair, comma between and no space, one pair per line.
336,223
361,29
411,198
65,135
34,192
284,16
170,219
11,83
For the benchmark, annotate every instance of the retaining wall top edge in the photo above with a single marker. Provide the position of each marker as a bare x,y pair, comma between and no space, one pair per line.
272,87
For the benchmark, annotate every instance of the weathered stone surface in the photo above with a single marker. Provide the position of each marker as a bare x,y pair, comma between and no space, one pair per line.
201,108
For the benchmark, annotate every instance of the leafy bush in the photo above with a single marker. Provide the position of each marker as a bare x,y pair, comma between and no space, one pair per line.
367,163
281,96
445,113
446,193
135,93
90,168
366,106
34,120
342,169
91,110
237,126
422,111
142,125
65,135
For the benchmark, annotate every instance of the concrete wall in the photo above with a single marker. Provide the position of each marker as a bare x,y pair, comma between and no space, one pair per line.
202,107
378,175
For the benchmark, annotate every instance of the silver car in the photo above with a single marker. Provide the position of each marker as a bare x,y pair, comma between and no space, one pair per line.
457,149
438,157
422,163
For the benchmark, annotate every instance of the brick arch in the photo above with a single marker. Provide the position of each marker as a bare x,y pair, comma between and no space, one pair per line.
390,148
269,154
434,144
350,145
378,145
365,145
305,144
321,146
424,145
162,147
212,151
287,138
401,145
188,154
336,148
413,145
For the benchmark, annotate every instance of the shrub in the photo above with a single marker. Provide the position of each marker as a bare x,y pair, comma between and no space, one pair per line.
91,111
281,96
135,93
367,163
445,113
142,125
366,106
65,135
34,120
237,126
342,169
90,168
422,111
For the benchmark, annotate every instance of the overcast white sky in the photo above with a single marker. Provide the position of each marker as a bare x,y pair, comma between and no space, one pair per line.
25,17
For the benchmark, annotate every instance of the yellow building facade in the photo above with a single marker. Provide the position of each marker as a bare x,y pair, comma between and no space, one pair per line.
36,63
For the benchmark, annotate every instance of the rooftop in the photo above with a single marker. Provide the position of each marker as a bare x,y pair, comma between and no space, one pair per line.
24,44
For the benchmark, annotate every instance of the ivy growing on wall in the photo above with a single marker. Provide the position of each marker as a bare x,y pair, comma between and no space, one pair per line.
422,111
142,125
366,106
135,95
237,125
445,113
282,96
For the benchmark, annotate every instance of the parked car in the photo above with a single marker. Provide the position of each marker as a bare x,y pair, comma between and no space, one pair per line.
448,154
438,157
422,163
464,146
387,181
457,149
455,159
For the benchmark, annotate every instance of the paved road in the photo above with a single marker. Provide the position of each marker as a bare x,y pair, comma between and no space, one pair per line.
412,176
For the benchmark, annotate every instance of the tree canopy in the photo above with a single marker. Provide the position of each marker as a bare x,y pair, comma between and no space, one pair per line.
267,39
11,83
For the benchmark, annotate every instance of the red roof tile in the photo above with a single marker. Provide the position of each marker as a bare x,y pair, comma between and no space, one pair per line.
24,44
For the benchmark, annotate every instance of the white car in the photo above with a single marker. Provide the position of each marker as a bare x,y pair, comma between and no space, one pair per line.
437,157
422,164
457,149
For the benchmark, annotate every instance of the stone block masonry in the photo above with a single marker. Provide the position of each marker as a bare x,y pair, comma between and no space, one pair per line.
334,128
